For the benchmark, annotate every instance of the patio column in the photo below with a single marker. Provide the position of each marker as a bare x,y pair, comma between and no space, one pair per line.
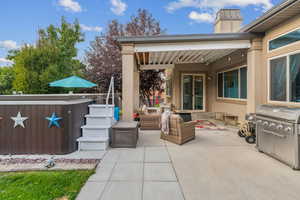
130,82
255,77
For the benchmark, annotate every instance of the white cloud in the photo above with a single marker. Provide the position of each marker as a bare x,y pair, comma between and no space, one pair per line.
118,7
201,17
217,4
91,28
175,5
70,5
8,44
4,61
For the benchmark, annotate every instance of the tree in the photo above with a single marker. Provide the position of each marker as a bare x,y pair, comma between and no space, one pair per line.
50,59
145,25
7,76
104,58
104,55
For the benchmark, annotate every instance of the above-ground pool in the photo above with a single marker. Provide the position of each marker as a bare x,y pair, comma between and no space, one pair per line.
41,126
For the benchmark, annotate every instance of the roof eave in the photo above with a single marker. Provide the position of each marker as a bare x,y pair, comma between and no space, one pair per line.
187,38
250,27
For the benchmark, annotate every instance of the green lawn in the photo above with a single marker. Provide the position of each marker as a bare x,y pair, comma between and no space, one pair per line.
47,185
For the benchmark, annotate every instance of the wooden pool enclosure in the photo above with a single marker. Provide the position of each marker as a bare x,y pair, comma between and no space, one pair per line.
39,135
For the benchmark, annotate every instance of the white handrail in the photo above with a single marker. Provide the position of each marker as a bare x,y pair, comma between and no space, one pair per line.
111,89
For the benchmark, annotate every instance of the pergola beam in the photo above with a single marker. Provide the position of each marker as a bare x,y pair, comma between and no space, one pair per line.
158,66
208,45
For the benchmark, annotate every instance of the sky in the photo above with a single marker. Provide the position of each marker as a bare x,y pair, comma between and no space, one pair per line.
21,19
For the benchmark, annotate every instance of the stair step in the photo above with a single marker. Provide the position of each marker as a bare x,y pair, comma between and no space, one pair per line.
93,139
92,143
96,127
101,105
103,132
99,121
100,116
99,109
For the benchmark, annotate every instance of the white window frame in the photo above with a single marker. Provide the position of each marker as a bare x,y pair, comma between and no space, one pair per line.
204,91
239,84
288,98
268,41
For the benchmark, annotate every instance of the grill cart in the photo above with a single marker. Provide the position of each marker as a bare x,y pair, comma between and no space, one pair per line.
277,129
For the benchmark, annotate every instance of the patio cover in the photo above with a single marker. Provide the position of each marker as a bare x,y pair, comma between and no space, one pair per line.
165,51
161,52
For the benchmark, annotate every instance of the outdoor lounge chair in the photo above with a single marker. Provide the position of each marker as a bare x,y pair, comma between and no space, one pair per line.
180,132
150,121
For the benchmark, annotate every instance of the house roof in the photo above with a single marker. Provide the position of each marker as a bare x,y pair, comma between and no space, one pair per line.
271,18
186,38
274,16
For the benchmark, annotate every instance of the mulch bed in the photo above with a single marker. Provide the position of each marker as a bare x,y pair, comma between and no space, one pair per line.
23,164
7,161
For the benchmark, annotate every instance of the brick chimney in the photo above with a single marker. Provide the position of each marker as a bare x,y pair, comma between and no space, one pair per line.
228,21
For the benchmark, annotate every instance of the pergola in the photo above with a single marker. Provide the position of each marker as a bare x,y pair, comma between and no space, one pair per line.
163,52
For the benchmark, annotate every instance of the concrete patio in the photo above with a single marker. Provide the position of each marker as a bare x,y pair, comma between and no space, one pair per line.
217,165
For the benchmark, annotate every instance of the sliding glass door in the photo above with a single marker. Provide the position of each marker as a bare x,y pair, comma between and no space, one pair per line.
193,87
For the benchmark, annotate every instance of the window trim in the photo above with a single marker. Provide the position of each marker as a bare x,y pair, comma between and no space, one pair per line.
288,98
282,34
239,84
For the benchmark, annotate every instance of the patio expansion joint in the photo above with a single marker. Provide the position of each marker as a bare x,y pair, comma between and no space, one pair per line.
109,178
143,174
177,179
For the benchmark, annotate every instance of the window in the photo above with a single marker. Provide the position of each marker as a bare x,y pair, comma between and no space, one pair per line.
278,79
285,40
295,78
243,83
220,85
233,84
284,80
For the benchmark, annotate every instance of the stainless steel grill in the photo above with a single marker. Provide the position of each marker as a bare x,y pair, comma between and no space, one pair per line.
277,132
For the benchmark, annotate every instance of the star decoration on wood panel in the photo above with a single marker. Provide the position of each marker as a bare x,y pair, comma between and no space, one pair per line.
53,120
19,120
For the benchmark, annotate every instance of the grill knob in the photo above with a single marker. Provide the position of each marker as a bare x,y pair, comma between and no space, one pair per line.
265,123
280,127
288,129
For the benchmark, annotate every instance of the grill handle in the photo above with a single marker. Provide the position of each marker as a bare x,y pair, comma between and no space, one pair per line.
275,134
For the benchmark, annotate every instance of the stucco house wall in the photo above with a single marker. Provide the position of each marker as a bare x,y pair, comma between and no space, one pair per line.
236,107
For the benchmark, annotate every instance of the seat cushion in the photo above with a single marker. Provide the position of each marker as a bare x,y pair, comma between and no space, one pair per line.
150,122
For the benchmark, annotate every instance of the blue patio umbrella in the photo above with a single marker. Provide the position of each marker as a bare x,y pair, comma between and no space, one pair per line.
72,82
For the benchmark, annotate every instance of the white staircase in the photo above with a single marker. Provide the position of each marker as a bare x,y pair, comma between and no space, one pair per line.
95,134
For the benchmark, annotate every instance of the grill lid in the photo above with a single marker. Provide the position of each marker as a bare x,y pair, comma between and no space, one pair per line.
279,112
